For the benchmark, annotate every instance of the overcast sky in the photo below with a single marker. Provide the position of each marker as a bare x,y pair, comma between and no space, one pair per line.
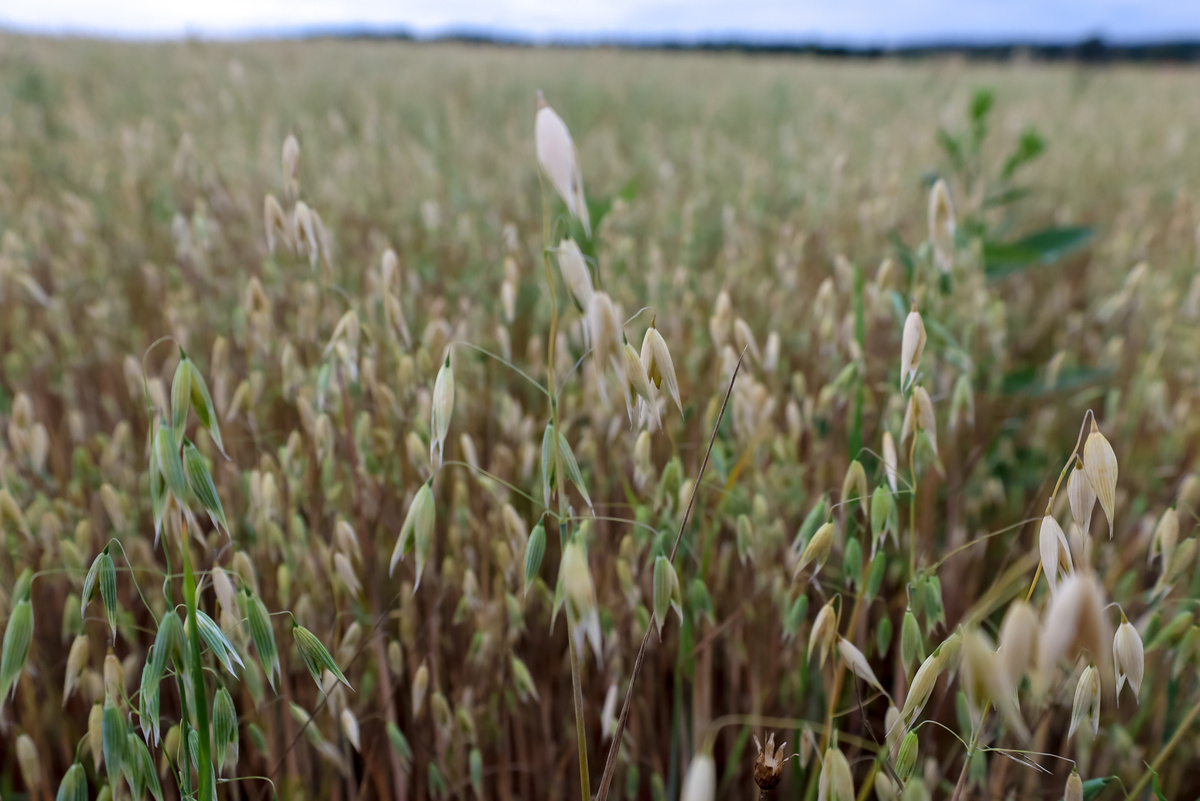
851,21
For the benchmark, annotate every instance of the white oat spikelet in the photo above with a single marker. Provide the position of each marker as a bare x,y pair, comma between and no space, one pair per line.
836,782
700,784
891,461
276,225
743,337
912,345
1087,701
575,273
1018,640
984,678
1074,623
942,225
919,413
560,161
604,332
1055,553
1166,537
1082,497
290,159
857,663
1074,788
1100,465
660,369
1129,658
638,389
824,630
442,410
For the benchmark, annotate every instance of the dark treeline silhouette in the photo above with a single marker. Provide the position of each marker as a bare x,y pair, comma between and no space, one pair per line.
1093,50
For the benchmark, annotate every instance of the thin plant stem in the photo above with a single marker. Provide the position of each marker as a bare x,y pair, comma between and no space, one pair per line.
610,763
1180,731
199,694
912,509
585,780
962,776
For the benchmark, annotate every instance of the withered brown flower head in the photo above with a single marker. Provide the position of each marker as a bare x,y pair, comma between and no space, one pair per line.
768,763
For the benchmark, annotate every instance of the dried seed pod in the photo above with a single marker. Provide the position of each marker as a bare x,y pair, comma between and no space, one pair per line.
768,763
1087,701
1129,659
1100,465
912,345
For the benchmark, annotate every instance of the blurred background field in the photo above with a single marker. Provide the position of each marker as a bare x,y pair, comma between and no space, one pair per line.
132,179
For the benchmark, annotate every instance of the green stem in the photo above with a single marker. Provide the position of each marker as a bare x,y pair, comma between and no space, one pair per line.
1180,731
199,695
585,780
912,510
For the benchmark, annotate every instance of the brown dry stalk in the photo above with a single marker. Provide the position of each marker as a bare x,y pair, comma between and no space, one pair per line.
610,764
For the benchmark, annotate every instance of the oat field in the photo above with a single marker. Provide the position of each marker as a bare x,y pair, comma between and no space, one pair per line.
706,426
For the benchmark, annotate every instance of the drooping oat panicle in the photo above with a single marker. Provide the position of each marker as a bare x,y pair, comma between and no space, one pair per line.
579,594
575,273
290,159
1100,465
1166,537
857,663
560,161
1054,550
1129,660
276,225
656,360
27,760
1082,497
1018,640
912,345
420,687
442,410
891,461
743,338
1087,701
604,333
854,486
817,550
823,634
942,225
667,595
984,679
1074,623
700,783
416,533
836,782
638,388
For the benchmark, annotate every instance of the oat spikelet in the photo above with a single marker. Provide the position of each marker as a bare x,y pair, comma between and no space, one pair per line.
1082,497
1087,701
1055,553
575,273
824,630
656,360
1018,640
560,161
442,410
858,664
912,345
1074,623
290,159
1129,658
891,461
700,784
836,782
941,225
1100,465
